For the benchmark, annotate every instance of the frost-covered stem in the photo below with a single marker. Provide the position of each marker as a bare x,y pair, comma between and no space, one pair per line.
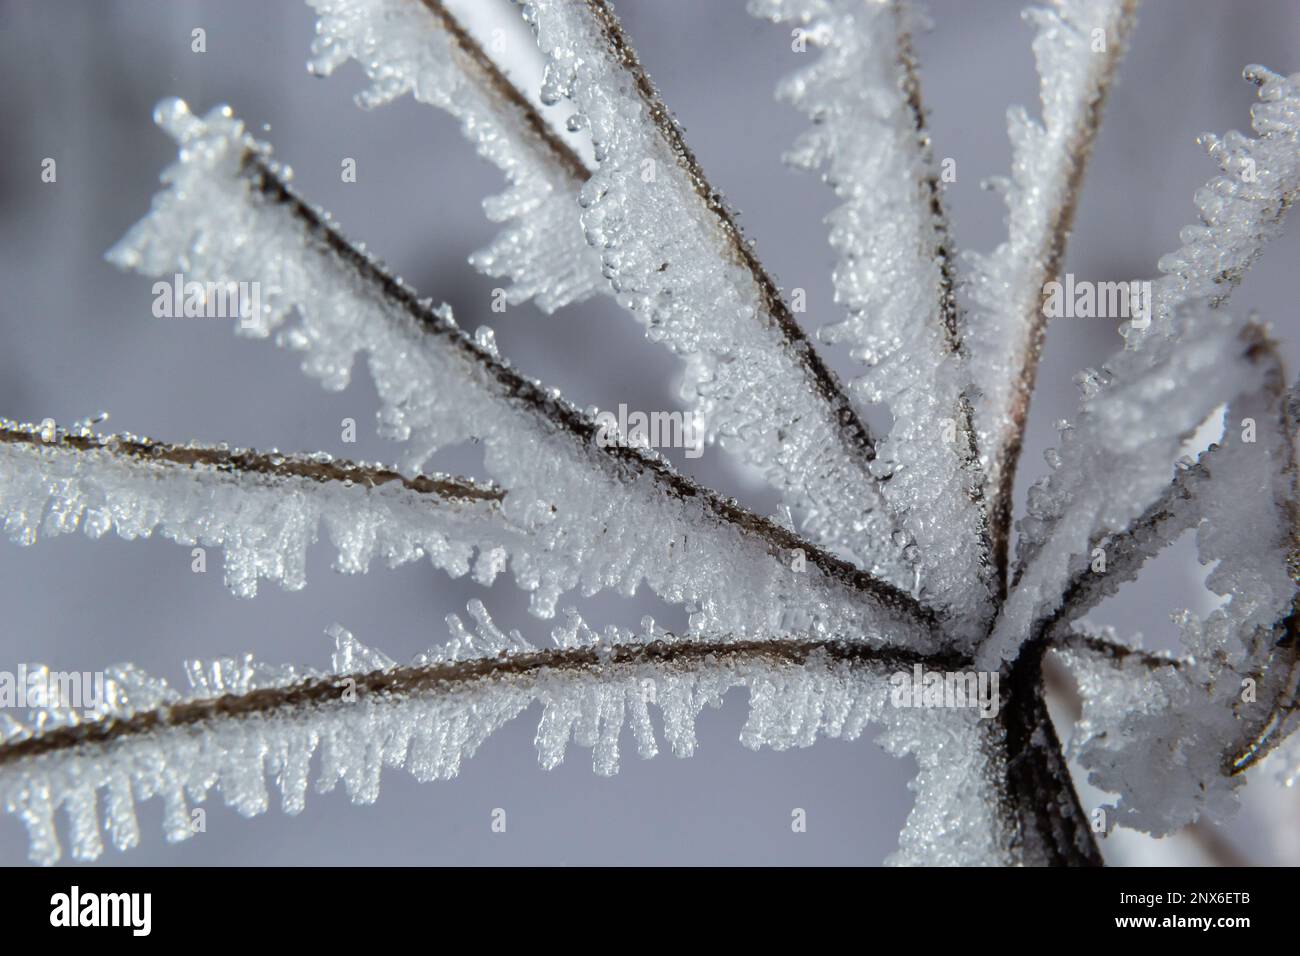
1049,822
480,68
247,462
911,88
947,295
1120,654
1282,670
823,380
563,417
1278,675
444,677
1127,552
1071,159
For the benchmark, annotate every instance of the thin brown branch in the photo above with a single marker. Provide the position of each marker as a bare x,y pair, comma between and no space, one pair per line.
824,382
563,417
947,295
1174,512
483,70
247,462
448,677
1121,655
1004,456
1279,674
1128,551
1279,678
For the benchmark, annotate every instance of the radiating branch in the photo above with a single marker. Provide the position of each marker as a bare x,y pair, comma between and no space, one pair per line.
247,462
1050,161
483,70
1052,827
774,308
521,670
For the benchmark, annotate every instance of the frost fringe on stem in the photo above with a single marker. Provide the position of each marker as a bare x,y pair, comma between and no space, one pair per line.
1008,327
246,721
895,277
891,579
264,509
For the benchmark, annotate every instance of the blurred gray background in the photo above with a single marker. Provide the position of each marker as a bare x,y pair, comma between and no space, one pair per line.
78,81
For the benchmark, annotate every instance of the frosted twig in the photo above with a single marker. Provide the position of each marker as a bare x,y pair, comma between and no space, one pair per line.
1217,848
1121,655
264,509
1112,446
483,70
249,462
419,46
894,275
669,653
248,722
1172,742
1127,552
1240,210
1077,48
563,417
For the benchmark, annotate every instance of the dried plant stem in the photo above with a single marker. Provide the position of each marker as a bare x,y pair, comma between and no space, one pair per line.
252,463
478,67
447,677
774,310
1210,841
947,296
1072,160
1050,825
